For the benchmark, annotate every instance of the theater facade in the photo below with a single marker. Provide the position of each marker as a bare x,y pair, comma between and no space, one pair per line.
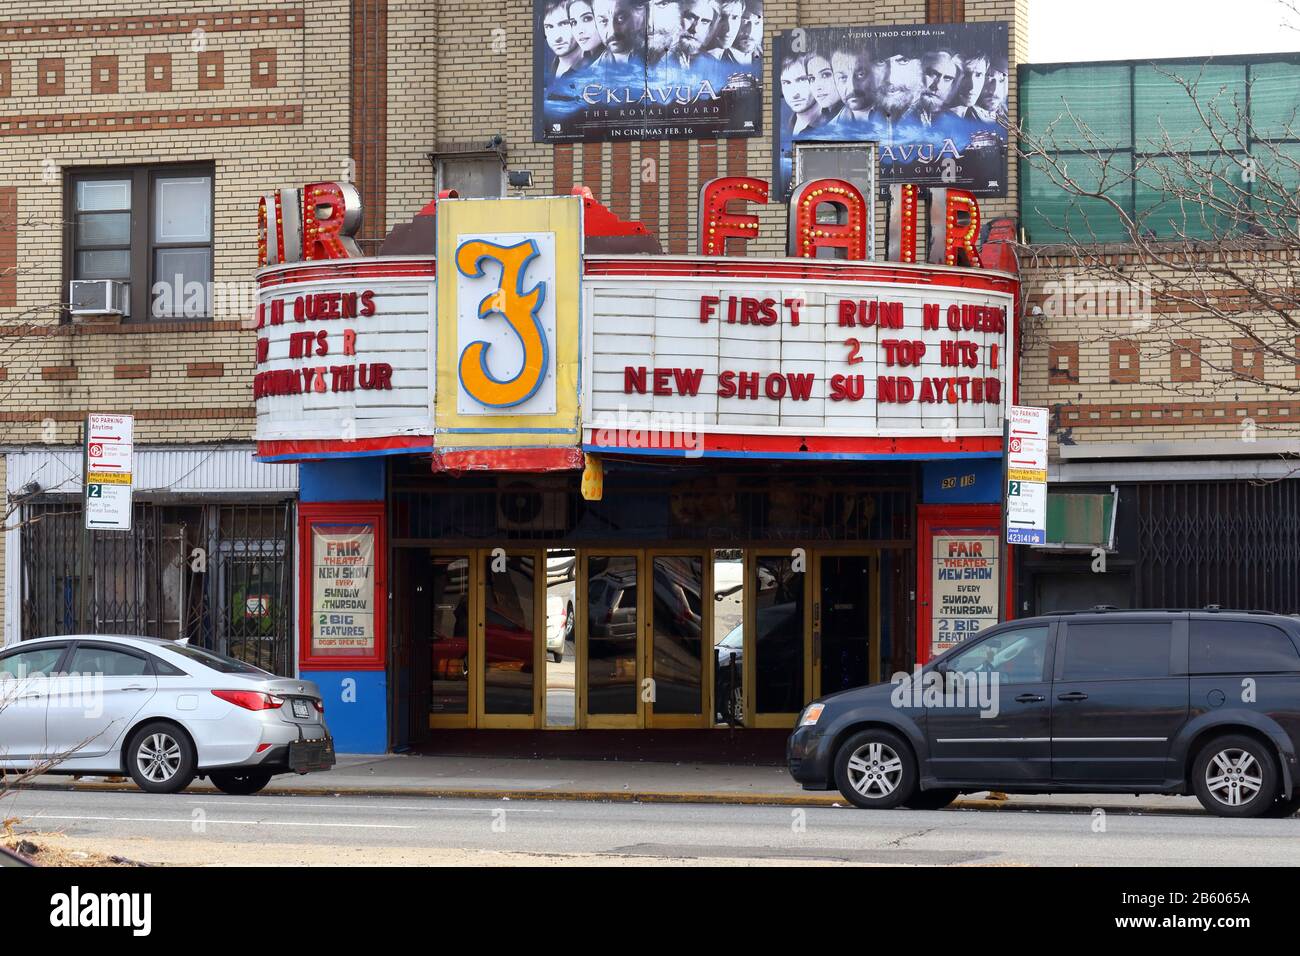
553,479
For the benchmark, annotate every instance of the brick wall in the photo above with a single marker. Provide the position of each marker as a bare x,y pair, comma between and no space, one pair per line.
272,95
477,82
259,89
1117,366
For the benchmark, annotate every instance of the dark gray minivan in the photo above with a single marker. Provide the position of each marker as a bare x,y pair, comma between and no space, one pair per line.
1204,702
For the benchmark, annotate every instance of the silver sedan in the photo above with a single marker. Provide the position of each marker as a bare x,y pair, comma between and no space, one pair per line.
162,711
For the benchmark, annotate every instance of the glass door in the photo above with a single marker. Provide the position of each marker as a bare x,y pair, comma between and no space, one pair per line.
778,628
452,586
679,670
846,621
610,613
513,593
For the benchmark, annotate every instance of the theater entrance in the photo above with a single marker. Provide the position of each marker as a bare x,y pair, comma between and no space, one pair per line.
811,627
642,648
646,638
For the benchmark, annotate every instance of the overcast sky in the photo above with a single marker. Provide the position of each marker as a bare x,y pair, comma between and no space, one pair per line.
1068,31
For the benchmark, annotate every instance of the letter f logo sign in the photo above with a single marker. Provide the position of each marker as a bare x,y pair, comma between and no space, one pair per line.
519,308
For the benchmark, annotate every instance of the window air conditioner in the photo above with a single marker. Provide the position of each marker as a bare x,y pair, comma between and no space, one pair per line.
97,297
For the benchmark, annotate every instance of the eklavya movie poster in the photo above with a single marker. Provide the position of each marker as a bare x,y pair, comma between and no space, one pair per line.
647,69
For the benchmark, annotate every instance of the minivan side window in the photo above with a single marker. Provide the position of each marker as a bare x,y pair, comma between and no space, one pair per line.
1123,650
1240,647
1016,656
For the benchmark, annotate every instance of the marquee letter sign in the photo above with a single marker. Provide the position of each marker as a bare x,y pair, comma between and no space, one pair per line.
519,308
716,224
807,235
279,227
331,215
962,226
315,222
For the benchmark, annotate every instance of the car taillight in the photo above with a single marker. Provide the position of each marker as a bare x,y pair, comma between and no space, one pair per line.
320,705
250,699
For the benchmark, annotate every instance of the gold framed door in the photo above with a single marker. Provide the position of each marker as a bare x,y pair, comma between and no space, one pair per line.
845,619
778,650
677,643
454,627
511,638
611,609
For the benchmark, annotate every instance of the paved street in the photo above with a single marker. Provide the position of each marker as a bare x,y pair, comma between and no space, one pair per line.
205,829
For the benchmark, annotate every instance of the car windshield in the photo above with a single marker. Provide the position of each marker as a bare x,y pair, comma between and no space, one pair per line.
218,662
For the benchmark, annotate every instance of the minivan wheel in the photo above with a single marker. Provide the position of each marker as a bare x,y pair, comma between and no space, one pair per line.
1235,776
240,784
931,799
160,758
875,770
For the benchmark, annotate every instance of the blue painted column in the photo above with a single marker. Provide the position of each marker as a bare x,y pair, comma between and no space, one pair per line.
356,699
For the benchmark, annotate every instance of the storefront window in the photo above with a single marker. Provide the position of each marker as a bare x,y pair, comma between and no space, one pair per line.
509,623
612,624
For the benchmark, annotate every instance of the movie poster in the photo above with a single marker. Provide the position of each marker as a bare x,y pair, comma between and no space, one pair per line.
933,96
607,70
343,589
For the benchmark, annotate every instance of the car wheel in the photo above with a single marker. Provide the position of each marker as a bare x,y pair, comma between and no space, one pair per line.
875,770
557,657
160,758
240,784
1235,776
931,799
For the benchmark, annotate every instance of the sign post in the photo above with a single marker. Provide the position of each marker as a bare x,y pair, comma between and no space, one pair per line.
1025,493
106,472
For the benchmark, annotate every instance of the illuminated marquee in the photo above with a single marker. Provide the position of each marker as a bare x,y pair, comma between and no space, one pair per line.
802,355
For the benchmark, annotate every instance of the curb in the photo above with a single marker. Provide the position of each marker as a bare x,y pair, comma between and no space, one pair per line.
635,796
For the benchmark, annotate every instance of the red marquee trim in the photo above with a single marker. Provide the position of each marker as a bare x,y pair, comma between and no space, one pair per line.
302,448
660,267
508,459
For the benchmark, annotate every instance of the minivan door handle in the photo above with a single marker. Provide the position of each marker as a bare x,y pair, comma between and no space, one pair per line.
1073,695
1030,699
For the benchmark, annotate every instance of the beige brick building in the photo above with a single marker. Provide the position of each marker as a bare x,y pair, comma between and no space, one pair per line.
400,97
390,94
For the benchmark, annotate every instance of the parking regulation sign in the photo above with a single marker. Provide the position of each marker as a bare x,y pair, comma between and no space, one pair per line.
1026,489
108,478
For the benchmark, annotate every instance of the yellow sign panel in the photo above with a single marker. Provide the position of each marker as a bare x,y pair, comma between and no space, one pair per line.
1026,474
509,340
108,478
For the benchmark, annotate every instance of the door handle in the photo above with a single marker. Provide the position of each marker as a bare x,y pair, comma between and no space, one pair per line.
1030,699
1073,695
135,687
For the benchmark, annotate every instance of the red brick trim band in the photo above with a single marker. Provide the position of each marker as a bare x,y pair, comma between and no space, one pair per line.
130,121
141,414
27,31
1176,413
205,369
132,371
59,373
126,328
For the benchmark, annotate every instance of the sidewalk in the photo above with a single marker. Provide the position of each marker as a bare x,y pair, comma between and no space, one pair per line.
610,780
